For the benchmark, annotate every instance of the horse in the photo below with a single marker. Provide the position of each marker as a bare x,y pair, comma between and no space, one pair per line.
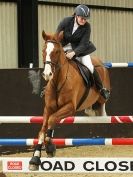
64,93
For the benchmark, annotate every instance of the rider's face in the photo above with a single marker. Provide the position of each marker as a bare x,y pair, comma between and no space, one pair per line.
81,20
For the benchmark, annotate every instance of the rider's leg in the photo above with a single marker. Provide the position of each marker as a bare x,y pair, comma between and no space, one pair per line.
86,60
103,91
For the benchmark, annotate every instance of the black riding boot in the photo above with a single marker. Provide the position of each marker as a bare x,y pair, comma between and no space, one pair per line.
103,91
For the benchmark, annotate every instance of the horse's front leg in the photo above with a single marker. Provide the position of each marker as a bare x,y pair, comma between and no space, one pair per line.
64,111
35,160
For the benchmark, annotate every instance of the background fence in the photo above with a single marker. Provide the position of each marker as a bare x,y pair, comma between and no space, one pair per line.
22,22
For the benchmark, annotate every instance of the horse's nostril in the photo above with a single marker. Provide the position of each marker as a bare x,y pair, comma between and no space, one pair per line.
50,74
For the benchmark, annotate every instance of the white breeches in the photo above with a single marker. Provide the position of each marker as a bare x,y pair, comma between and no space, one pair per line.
86,60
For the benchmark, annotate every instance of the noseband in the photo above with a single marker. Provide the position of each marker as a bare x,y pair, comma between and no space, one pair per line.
50,63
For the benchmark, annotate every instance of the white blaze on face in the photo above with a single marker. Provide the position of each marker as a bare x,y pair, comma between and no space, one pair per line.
48,70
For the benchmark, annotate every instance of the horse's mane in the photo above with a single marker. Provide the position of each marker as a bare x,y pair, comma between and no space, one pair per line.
73,64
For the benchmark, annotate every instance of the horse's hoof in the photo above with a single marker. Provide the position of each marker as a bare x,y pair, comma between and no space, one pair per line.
34,163
52,154
33,167
50,149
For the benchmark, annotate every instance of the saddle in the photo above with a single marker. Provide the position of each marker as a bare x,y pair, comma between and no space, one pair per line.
85,73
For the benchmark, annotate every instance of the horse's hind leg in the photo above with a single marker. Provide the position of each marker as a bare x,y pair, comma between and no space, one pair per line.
90,112
101,111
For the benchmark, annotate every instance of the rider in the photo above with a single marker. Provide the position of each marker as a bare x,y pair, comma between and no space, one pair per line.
76,42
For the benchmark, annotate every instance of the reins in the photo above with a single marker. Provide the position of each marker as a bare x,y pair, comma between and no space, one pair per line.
57,66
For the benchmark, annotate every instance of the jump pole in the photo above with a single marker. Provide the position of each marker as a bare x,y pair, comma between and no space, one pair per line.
118,65
68,120
69,142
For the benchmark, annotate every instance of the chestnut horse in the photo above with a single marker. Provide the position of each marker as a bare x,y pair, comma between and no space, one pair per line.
63,93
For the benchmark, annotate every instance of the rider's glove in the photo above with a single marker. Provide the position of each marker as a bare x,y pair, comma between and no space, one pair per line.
70,55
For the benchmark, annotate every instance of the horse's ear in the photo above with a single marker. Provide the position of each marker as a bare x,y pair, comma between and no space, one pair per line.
45,36
60,35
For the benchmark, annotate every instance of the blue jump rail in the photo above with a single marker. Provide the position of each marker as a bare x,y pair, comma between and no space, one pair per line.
118,65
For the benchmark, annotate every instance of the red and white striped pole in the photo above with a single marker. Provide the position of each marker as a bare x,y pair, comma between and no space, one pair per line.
68,120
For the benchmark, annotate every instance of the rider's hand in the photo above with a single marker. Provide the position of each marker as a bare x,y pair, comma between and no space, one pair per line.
70,55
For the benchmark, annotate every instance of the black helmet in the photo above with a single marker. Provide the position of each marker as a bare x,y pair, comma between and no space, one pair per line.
83,11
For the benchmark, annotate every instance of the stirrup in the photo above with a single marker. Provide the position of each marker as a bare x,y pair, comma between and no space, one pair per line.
105,93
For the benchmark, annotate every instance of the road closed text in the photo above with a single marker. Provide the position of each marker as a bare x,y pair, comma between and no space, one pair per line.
87,166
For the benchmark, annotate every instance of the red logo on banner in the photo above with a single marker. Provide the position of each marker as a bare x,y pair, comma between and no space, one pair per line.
14,165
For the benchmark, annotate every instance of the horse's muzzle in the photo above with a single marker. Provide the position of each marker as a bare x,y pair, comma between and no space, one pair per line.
47,77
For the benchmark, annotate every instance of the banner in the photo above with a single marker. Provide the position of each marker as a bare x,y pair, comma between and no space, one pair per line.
71,165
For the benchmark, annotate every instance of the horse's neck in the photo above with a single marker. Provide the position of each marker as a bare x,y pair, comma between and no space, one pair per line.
61,74
62,58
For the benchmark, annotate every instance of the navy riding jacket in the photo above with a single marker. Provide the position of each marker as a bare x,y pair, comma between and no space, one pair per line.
80,39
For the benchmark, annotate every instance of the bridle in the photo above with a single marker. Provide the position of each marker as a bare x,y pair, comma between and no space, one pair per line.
57,66
51,63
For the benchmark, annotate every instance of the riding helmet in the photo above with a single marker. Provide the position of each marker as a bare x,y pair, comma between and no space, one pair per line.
83,11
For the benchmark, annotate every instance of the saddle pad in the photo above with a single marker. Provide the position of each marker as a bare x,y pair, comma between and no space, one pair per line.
85,73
